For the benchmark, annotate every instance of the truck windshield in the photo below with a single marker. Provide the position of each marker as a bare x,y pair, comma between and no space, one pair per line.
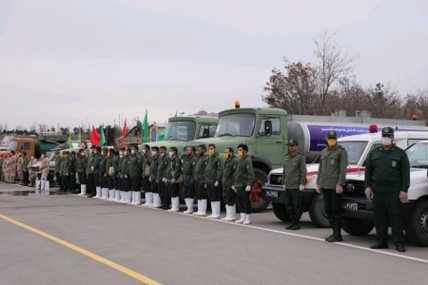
418,155
13,145
181,131
241,125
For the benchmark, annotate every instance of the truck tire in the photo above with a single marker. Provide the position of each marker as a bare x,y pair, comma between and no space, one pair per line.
356,227
258,205
417,225
280,212
317,213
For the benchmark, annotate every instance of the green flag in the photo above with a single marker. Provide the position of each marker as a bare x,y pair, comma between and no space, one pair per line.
69,142
103,137
163,133
145,128
79,137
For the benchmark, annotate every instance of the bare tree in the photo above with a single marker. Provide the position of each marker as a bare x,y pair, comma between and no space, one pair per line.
333,63
422,102
385,101
42,129
33,127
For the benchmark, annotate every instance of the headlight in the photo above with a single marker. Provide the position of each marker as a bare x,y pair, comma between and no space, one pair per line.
309,179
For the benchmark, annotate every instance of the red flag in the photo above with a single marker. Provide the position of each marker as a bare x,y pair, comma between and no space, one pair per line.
124,132
95,137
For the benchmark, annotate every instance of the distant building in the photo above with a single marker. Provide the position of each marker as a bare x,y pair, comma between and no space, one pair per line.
155,130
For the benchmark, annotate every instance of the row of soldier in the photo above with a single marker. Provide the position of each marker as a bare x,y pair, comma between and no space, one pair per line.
15,167
106,173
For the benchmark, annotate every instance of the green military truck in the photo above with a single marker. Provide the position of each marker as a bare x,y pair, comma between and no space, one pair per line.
183,129
264,130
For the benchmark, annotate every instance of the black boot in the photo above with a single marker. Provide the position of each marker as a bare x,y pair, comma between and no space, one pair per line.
336,237
290,226
296,225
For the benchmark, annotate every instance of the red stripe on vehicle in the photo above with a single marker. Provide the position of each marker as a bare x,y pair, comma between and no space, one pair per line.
348,170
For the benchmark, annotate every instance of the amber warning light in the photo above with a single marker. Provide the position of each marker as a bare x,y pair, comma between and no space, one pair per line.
237,105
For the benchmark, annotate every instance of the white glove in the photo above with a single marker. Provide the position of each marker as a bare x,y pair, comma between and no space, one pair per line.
164,180
216,184
150,179
248,188
301,187
173,180
205,185
283,187
318,189
92,168
233,188
339,189
126,176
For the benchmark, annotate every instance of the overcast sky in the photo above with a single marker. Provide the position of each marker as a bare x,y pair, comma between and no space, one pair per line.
70,62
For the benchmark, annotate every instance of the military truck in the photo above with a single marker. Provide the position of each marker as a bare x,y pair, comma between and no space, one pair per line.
264,130
183,129
31,146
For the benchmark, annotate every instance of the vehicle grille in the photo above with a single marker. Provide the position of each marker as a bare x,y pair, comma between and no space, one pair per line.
35,168
275,179
354,188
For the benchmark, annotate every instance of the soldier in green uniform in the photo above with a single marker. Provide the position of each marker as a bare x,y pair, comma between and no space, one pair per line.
126,180
189,165
103,173
58,170
243,180
72,172
121,184
25,163
136,174
115,177
330,180
201,192
387,179
64,171
81,167
148,194
294,179
95,167
164,171
176,178
229,195
110,174
154,185
89,172
213,176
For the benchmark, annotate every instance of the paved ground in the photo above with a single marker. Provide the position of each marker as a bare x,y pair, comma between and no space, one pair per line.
66,239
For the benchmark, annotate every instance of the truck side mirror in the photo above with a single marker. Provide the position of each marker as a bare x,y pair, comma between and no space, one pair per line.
268,128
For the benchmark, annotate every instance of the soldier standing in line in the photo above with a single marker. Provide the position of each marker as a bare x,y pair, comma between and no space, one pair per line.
387,179
110,173
229,195
136,174
95,167
294,180
65,180
148,194
58,170
201,191
243,180
44,167
115,177
161,178
189,165
103,173
213,176
154,185
330,180
176,177
12,167
25,163
72,172
81,167
19,168
121,198
90,173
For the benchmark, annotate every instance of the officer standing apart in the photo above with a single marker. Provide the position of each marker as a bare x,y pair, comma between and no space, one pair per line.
244,179
330,180
294,179
387,179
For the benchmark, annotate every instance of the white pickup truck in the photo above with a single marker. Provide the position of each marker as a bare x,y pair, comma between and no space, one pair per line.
358,147
358,210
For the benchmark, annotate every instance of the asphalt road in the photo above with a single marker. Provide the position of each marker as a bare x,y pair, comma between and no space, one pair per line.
66,239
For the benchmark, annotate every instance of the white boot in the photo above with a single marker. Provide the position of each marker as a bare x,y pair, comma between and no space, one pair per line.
156,200
38,184
82,190
98,191
215,210
46,185
199,208
149,199
122,197
111,195
130,197
232,210
137,198
227,213
242,219
203,208
189,204
247,219
117,196
104,192
175,204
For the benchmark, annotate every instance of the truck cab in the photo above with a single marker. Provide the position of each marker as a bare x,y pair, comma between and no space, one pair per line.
358,147
264,130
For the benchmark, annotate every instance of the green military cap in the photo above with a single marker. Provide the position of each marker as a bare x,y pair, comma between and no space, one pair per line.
293,142
332,134
387,131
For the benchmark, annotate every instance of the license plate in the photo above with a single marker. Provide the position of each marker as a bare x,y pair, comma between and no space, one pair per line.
350,206
271,194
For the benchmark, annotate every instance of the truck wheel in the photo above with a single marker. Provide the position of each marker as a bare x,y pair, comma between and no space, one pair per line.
258,205
280,212
317,213
417,225
356,227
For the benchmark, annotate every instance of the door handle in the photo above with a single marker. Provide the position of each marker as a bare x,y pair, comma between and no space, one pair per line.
278,142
